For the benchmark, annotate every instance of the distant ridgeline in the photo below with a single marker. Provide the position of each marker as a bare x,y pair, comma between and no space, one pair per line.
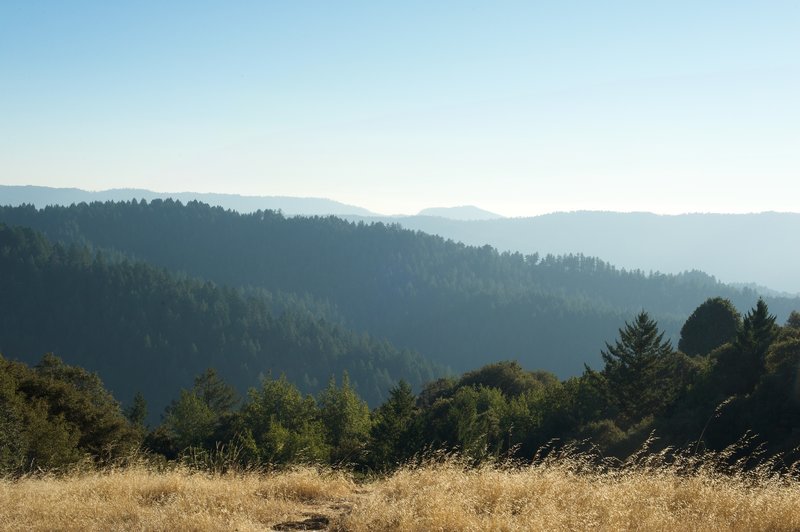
43,196
457,305
749,248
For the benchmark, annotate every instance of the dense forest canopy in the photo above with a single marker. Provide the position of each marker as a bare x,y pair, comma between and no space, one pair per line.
143,328
740,398
457,305
667,243
230,340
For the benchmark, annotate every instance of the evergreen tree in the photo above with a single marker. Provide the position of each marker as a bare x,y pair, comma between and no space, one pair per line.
217,394
189,421
632,368
740,368
283,425
758,331
137,412
712,324
391,440
346,419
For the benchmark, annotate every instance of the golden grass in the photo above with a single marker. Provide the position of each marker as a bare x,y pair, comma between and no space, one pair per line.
556,497
448,495
142,499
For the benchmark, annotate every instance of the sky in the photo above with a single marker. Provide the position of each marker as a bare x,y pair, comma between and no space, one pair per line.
520,108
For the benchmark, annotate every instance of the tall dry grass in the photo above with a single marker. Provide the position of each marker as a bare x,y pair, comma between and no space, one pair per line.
139,498
574,487
557,496
566,490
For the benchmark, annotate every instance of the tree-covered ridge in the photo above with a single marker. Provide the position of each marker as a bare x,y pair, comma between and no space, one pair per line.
142,328
57,414
459,305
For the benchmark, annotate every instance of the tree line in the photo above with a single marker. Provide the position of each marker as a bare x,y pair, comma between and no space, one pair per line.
731,374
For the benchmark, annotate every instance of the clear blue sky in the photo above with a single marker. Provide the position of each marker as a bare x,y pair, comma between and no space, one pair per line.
518,107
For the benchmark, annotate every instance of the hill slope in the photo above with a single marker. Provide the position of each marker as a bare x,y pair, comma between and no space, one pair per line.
144,329
741,248
457,305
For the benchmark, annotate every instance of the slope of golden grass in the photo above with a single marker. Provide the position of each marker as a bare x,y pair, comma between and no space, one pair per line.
142,499
445,496
554,497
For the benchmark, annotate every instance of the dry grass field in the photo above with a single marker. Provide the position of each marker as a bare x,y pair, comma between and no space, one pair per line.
557,494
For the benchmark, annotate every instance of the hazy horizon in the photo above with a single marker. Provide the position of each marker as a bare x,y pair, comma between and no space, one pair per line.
517,108
394,214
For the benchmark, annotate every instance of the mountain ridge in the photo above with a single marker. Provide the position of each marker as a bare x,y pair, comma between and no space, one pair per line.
461,212
736,248
459,306
716,243
304,206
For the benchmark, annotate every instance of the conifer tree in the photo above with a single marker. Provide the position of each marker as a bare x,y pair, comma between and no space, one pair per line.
793,321
390,441
632,368
346,419
752,343
137,411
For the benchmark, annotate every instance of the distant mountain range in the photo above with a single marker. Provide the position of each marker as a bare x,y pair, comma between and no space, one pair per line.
755,250
458,306
464,212
747,249
44,196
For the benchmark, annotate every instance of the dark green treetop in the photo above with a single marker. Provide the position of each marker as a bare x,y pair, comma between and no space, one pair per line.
390,440
632,367
712,324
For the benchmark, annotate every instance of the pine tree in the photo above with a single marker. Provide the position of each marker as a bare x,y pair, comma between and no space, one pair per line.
390,441
137,412
217,394
346,419
752,343
632,368
793,321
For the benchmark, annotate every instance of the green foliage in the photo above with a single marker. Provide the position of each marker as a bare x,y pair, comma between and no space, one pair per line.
79,396
794,320
53,415
741,367
219,396
460,306
633,367
508,377
145,330
758,332
346,419
712,324
190,421
295,283
283,426
200,417
137,411
392,439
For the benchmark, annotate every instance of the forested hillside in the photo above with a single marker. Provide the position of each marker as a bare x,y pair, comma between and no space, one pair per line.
458,305
145,329
734,396
743,248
